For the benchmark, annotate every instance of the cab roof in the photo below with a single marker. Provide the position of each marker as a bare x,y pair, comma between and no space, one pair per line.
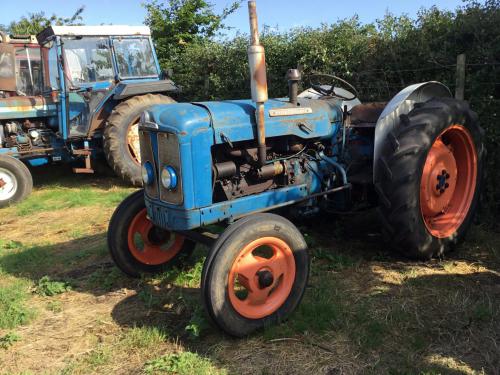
103,30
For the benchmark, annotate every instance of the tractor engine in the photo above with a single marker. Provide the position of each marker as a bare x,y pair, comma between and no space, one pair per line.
25,135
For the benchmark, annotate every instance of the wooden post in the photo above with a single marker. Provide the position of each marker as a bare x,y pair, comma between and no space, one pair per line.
460,87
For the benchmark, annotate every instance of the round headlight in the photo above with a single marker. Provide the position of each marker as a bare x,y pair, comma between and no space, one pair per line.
168,177
147,173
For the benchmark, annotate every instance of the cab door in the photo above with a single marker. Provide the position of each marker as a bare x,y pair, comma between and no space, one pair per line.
89,75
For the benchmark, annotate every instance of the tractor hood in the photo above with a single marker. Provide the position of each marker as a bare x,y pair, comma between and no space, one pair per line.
230,119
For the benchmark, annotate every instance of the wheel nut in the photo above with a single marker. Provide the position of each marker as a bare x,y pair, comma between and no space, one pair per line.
265,279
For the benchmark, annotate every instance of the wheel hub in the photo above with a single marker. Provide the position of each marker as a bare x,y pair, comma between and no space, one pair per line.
266,279
8,184
448,181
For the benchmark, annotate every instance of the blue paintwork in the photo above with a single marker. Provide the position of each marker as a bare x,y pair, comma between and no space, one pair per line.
37,162
199,126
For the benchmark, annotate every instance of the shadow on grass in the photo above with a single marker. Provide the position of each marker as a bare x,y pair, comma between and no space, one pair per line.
392,318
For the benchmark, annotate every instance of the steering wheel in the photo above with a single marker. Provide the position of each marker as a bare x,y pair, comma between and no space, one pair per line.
318,81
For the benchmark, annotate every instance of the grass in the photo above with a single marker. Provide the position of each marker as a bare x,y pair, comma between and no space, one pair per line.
185,363
365,310
14,308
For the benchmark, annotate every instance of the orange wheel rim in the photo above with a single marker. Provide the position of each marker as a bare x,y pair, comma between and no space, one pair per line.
448,181
261,277
148,244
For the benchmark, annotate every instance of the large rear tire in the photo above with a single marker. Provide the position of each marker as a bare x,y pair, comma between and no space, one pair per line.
137,246
431,168
121,136
16,182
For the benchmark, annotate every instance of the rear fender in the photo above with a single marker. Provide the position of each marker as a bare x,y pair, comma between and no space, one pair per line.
401,104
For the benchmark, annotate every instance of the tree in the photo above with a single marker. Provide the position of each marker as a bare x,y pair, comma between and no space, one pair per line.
33,23
180,22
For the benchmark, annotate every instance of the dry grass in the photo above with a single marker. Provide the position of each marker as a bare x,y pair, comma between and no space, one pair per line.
366,311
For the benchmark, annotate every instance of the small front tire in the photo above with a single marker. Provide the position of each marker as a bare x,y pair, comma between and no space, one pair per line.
137,246
16,182
255,274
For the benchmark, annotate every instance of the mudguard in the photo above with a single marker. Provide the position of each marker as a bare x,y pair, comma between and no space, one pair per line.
400,104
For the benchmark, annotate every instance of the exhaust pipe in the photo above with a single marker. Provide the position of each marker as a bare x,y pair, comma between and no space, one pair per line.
257,63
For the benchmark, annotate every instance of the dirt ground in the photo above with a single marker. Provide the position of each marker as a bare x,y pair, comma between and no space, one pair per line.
366,309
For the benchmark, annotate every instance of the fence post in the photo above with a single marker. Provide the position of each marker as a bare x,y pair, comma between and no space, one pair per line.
460,83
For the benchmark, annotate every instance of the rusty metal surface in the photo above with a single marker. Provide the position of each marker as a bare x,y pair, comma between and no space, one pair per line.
369,112
27,106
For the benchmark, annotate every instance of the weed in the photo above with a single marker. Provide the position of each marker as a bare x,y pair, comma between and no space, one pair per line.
334,261
149,299
13,310
48,288
9,245
197,324
185,363
9,339
185,278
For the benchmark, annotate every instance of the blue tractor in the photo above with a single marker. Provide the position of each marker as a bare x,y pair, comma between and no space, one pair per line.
238,163
72,94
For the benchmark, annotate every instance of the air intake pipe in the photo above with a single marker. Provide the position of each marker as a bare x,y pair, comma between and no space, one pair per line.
257,63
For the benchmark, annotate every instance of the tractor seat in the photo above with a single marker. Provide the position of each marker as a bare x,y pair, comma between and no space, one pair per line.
366,115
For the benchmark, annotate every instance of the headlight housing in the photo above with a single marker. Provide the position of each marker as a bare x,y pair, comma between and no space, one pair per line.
168,177
147,173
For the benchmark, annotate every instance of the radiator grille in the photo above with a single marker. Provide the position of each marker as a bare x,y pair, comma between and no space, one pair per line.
169,154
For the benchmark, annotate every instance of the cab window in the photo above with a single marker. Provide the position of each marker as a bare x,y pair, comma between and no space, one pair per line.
135,58
28,71
88,59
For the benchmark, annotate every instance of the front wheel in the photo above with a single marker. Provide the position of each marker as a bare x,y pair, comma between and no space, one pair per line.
137,246
432,163
255,274
16,182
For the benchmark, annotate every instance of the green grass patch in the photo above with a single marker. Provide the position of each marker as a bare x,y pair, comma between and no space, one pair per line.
7,340
48,288
105,279
13,309
185,363
143,338
55,306
58,198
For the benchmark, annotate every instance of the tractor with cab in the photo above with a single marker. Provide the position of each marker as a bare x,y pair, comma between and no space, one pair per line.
72,94
252,166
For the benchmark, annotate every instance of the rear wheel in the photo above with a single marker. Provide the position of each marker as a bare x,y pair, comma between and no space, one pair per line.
16,182
121,136
432,162
255,274
137,246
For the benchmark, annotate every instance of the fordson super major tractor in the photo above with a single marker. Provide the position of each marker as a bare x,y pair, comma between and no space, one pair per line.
419,158
72,93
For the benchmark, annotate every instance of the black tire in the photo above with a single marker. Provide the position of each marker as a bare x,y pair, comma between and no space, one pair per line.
15,177
400,168
119,153
226,250
118,240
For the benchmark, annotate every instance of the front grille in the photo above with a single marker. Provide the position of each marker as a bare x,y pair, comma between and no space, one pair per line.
147,155
169,155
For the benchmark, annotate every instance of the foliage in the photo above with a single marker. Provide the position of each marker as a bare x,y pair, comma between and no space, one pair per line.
379,58
185,363
8,340
178,23
33,23
48,288
13,309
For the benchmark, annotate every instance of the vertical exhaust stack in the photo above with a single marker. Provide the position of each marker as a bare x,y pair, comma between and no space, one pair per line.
257,63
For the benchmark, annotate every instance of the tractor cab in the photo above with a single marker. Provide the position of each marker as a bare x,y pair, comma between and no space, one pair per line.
85,64
73,93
